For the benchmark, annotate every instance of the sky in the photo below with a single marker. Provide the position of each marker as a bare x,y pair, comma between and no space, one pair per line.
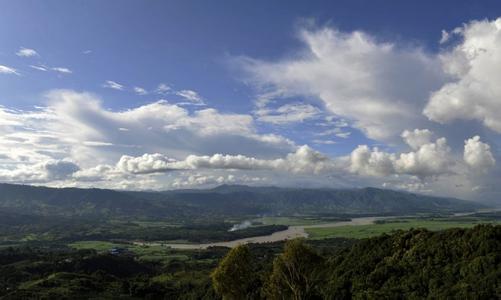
158,95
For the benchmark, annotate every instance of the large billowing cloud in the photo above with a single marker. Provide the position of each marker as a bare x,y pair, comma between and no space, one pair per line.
375,84
475,92
478,155
76,127
429,159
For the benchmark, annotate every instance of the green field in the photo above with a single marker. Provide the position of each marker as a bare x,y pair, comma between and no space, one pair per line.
365,231
292,221
158,253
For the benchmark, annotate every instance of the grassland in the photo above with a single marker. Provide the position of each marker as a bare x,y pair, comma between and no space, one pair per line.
297,221
365,231
145,253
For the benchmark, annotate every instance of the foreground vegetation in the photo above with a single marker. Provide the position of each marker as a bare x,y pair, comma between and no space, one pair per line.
418,263
415,264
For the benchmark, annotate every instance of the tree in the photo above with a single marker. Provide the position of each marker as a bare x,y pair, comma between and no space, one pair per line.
234,278
297,273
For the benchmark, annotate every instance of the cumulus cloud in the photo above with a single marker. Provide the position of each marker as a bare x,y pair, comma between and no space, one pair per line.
429,159
478,155
147,163
26,52
356,77
8,70
113,85
417,138
372,162
303,160
474,64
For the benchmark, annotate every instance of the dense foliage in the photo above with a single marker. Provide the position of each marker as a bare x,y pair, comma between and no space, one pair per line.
454,264
415,264
15,227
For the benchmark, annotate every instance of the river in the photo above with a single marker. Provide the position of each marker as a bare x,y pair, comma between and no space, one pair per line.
290,233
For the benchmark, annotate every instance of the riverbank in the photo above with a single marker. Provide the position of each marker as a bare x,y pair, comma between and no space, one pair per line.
296,231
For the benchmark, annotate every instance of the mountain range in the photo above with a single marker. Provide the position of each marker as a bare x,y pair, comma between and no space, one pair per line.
225,200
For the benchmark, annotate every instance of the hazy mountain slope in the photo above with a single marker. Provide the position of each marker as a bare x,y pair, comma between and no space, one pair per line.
220,201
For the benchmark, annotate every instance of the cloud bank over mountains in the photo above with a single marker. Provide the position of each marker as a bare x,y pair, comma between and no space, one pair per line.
405,99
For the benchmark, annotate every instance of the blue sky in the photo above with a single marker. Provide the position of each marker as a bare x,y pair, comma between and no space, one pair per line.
273,69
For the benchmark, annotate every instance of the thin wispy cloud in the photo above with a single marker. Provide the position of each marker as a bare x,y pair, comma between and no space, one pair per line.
8,70
39,68
191,96
110,84
26,52
62,70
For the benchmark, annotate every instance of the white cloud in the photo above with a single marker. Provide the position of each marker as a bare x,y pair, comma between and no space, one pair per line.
140,91
113,85
445,37
55,69
288,113
163,89
372,83
373,162
430,159
303,160
324,142
474,63
76,126
42,172
415,139
201,179
8,70
147,163
62,70
191,96
39,68
26,52
478,155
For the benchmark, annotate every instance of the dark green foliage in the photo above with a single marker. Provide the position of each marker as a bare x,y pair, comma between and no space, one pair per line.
65,229
235,276
415,264
297,273
27,273
456,264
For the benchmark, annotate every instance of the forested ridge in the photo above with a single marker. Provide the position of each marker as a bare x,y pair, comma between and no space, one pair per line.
219,202
414,264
